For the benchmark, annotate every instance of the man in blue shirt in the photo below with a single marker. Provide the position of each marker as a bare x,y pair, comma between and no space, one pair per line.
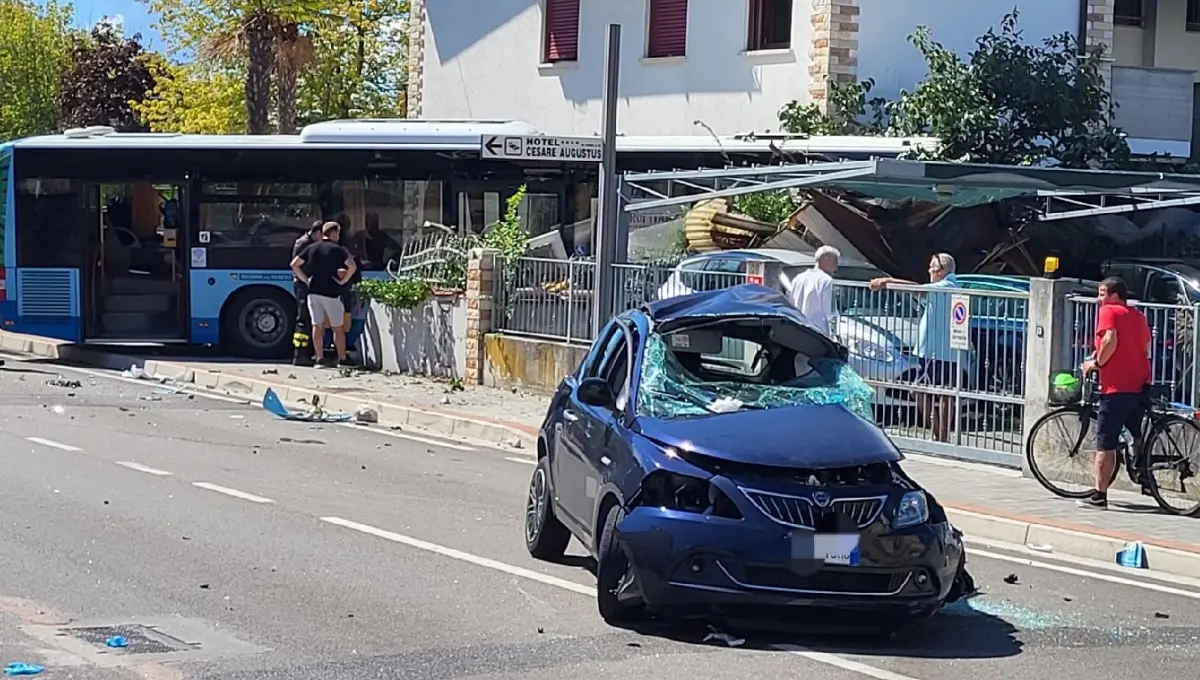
939,361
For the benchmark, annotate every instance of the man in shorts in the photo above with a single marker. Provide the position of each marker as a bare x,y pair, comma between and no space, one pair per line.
1123,359
939,360
325,267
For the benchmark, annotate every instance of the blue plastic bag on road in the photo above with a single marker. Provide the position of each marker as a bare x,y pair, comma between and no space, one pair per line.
18,668
117,642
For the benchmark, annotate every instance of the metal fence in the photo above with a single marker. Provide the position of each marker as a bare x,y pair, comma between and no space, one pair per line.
966,403
545,298
1173,350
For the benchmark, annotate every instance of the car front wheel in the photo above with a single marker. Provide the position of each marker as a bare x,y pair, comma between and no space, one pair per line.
545,537
616,588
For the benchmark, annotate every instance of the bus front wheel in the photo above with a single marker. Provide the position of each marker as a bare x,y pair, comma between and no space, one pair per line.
258,323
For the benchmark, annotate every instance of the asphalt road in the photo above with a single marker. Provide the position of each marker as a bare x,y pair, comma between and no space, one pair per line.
278,550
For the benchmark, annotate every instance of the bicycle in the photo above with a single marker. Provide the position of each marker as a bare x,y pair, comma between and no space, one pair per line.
1161,418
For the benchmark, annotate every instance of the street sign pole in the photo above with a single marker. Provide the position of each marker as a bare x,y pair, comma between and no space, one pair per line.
605,234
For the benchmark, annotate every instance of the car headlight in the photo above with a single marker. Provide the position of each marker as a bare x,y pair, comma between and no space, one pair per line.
913,510
671,491
872,351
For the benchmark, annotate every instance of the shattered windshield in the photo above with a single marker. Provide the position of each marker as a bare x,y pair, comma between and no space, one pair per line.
733,367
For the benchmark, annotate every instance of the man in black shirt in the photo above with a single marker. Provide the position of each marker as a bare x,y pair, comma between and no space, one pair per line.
325,268
301,342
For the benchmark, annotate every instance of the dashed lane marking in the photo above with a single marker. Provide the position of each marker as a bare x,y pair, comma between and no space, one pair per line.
523,461
53,444
233,492
143,468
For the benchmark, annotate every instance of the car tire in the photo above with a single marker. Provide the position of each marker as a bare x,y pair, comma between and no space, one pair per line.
612,564
546,538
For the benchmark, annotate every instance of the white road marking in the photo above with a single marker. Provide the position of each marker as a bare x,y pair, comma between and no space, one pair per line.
974,542
233,492
523,461
513,570
463,556
143,468
843,663
53,444
1085,573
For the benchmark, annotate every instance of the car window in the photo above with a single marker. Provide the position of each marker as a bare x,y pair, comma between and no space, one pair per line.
614,368
594,366
1163,288
726,265
691,274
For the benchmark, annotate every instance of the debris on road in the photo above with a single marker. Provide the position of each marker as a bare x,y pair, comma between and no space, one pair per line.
718,636
1161,615
134,371
18,668
64,383
289,440
366,414
117,642
273,405
1011,579
1133,556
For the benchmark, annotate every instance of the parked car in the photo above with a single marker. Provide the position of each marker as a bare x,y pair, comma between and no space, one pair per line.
645,458
880,339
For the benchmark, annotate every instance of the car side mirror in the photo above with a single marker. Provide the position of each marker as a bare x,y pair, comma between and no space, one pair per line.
596,392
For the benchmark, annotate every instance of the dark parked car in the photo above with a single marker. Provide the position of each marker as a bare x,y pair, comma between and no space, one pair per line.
741,488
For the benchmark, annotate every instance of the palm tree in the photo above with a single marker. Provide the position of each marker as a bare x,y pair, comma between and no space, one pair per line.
293,51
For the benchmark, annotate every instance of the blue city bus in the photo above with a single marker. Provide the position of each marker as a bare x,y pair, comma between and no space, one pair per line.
153,239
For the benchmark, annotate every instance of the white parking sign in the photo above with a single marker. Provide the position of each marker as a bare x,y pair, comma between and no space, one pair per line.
960,322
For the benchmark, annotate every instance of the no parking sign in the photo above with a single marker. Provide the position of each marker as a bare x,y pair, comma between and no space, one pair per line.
960,322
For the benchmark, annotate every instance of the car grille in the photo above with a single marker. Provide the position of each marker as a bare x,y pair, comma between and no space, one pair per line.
847,581
801,512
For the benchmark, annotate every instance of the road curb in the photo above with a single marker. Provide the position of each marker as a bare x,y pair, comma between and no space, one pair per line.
1061,541
389,414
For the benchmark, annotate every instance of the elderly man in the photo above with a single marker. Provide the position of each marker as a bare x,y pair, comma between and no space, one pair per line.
939,364
812,291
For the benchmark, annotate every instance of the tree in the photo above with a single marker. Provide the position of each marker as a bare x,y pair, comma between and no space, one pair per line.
188,100
1007,103
34,49
108,73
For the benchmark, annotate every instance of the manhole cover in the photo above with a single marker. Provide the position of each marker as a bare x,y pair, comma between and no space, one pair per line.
141,639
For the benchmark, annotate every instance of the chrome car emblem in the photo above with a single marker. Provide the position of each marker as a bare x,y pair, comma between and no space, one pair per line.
821,499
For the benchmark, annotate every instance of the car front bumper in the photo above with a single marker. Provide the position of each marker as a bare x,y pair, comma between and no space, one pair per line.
689,564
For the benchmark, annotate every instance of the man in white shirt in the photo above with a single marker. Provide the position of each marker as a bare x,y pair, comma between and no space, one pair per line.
812,291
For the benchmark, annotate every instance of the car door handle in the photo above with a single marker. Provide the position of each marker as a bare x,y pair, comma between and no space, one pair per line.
570,416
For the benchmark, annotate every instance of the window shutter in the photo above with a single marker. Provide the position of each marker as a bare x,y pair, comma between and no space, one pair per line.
668,28
562,30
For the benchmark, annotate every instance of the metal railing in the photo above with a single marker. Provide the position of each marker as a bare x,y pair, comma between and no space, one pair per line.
953,402
1173,347
545,298
438,256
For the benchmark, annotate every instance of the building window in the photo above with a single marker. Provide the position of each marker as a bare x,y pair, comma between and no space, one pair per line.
561,31
1193,15
770,25
668,29
1129,13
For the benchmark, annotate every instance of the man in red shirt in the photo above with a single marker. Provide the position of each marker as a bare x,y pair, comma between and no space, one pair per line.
1123,359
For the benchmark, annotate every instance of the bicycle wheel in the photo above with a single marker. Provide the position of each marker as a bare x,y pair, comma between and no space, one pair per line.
1068,452
1173,463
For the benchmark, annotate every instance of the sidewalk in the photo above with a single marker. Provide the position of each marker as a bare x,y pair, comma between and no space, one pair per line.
985,502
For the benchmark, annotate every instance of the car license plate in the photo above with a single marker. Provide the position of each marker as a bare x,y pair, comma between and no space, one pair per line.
838,549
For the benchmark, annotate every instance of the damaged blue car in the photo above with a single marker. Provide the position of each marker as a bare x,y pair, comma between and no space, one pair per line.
715,453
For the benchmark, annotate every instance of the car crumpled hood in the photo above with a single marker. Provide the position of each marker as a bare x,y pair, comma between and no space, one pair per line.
807,437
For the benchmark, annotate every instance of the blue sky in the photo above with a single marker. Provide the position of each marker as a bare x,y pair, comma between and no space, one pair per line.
132,13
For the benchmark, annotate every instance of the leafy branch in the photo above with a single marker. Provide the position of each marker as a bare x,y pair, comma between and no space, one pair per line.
395,294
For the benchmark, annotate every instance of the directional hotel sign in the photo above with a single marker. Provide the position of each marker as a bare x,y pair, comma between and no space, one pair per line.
541,148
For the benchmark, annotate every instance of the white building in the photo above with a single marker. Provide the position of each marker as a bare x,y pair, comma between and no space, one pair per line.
732,64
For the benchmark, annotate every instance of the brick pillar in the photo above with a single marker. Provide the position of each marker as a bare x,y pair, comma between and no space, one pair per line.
833,55
416,57
481,281
1099,33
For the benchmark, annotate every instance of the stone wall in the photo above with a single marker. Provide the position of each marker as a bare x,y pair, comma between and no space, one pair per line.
416,56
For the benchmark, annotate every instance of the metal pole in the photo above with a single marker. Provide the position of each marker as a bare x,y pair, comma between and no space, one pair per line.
606,220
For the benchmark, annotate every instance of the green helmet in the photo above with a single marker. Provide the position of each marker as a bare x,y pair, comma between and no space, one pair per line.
1065,380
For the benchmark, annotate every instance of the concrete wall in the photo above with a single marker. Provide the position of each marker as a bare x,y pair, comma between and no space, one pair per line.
885,54
1162,41
427,340
535,365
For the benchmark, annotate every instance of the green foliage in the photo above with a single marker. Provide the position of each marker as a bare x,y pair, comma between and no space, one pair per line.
772,207
395,294
1008,103
34,50
507,235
